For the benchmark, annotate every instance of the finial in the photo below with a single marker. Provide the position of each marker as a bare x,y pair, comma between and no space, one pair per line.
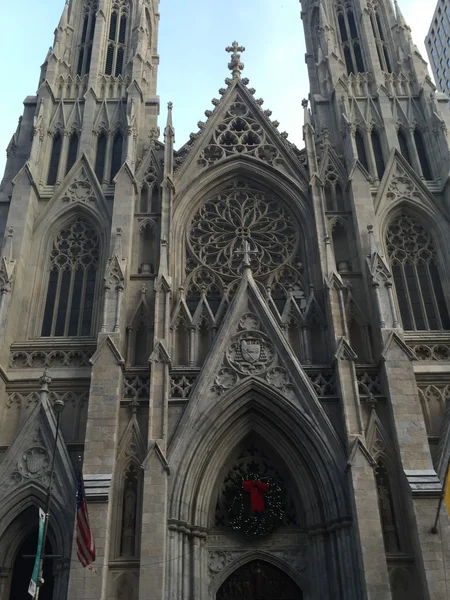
7,250
235,65
134,406
372,244
246,252
44,381
143,289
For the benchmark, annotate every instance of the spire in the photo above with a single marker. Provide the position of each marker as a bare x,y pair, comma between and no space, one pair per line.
307,116
235,65
400,18
64,17
169,141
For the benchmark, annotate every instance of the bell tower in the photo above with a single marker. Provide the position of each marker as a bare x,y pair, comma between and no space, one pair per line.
96,94
376,132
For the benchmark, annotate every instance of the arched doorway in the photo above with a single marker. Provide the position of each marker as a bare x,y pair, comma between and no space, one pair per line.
23,568
259,580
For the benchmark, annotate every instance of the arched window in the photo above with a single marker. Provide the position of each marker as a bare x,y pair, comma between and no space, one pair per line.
130,500
422,153
403,143
380,39
72,281
334,197
414,263
87,37
315,32
101,156
361,149
341,246
378,153
72,152
54,159
116,39
116,158
387,509
350,38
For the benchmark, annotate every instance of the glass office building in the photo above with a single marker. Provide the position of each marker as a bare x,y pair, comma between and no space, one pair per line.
438,45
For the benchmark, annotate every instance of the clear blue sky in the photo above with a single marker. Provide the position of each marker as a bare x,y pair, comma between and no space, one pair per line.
193,35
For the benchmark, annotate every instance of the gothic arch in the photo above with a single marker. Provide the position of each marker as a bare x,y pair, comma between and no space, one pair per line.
18,519
436,225
43,238
190,198
198,452
262,556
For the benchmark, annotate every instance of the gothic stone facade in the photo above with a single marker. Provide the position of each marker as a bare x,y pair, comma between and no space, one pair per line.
238,310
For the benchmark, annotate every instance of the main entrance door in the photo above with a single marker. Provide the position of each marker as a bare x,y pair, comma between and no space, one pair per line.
259,580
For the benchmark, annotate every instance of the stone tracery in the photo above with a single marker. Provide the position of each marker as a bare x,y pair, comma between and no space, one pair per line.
241,213
238,133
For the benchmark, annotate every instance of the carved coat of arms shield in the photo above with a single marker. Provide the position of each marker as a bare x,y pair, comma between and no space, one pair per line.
251,350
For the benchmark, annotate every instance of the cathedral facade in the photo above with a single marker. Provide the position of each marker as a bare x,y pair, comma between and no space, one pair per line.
251,341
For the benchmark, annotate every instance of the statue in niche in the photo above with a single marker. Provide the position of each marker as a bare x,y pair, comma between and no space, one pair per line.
128,539
386,506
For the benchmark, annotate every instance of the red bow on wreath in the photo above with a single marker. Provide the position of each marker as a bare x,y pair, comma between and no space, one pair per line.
257,489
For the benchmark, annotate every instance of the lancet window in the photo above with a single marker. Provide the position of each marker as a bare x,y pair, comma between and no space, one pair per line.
422,154
415,268
387,509
349,37
54,159
403,143
87,37
361,149
72,151
100,157
72,281
116,157
334,195
117,38
130,501
380,38
378,153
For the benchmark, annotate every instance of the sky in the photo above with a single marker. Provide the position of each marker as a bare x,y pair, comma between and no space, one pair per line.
193,62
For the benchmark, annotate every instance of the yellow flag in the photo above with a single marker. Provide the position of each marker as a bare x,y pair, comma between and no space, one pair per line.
447,490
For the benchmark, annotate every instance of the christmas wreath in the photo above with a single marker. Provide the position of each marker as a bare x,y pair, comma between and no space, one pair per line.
255,504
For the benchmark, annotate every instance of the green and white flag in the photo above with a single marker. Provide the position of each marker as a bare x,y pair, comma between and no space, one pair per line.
34,577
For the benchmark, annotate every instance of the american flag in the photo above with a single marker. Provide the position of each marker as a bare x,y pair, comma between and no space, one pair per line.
85,541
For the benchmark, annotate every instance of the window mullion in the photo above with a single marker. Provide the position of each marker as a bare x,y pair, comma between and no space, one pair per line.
83,293
408,298
69,302
56,308
433,296
422,303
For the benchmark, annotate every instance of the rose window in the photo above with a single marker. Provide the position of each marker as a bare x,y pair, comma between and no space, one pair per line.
241,215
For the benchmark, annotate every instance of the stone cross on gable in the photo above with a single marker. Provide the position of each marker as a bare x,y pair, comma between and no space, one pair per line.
235,65
246,252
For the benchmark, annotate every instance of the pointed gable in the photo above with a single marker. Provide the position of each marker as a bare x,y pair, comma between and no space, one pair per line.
400,183
79,187
250,347
239,127
27,462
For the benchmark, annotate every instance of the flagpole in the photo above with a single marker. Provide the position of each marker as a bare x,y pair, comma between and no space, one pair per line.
434,529
58,406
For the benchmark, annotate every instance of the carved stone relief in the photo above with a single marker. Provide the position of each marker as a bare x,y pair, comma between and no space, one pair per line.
80,190
239,133
251,353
